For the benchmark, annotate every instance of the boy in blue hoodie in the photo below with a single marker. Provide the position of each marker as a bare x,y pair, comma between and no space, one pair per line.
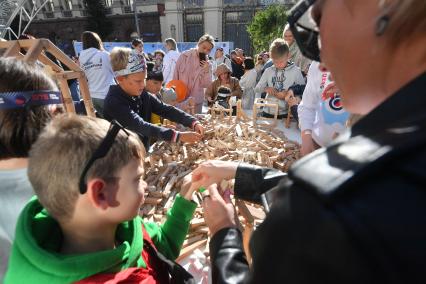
83,226
132,106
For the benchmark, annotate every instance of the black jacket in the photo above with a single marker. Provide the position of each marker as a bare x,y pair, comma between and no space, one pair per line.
352,213
237,70
134,113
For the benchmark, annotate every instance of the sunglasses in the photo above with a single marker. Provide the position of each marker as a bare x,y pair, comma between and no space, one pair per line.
101,152
305,32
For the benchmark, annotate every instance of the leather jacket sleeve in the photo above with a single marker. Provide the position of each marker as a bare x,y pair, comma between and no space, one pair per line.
252,181
228,260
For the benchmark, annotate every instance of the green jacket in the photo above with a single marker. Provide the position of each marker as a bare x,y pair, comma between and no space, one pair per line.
35,257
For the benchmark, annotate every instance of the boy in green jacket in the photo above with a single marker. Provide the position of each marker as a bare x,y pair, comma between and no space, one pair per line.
83,226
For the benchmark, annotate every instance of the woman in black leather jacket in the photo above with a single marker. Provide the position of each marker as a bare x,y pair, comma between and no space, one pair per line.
353,212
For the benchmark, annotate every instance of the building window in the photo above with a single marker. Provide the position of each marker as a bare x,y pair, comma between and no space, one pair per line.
193,3
235,28
194,26
227,2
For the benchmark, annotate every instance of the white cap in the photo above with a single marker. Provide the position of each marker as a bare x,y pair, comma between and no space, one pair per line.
136,64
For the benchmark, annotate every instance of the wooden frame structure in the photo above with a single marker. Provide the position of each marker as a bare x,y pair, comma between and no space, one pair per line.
35,51
259,121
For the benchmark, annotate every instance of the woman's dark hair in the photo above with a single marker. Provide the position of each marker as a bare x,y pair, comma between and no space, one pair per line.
150,66
91,39
248,63
19,128
136,42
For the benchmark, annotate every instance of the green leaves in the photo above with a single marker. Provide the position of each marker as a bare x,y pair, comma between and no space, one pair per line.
266,26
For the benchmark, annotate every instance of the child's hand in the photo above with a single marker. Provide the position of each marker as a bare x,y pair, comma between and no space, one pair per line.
189,137
219,212
271,91
188,187
199,128
281,95
330,91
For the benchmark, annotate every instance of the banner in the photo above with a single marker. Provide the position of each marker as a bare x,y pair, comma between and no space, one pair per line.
151,47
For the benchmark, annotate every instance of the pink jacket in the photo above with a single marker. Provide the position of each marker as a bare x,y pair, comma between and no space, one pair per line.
189,71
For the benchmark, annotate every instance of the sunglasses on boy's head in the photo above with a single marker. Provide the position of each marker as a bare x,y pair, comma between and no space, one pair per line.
101,152
304,30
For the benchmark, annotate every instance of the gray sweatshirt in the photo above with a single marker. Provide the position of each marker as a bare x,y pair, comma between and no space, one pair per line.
281,80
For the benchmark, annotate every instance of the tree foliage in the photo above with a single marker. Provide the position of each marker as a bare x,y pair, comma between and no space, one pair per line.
97,19
266,26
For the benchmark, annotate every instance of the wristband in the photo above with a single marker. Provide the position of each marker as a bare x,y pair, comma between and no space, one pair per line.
307,132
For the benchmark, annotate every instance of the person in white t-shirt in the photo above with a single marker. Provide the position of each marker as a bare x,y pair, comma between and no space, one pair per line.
321,118
220,58
95,62
169,61
248,83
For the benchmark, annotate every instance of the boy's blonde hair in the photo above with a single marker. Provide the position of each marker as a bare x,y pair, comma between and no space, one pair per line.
119,58
58,157
278,48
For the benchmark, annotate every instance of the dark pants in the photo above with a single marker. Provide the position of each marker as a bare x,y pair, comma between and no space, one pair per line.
293,111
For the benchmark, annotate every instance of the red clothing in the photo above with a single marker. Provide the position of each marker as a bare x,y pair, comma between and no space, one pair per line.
154,272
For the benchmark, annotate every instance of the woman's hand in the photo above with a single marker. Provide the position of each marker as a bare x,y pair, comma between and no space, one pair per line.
213,171
218,212
204,64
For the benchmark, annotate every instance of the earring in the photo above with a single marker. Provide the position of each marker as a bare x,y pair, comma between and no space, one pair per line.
382,24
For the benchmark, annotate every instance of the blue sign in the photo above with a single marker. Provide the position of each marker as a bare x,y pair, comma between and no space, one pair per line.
151,47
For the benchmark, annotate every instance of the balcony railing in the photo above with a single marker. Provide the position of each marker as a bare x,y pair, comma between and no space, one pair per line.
127,9
67,14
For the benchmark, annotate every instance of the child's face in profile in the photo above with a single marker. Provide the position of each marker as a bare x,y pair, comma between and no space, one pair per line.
153,86
280,62
132,84
130,192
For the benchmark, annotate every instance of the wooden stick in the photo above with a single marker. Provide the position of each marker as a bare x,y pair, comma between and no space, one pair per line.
189,249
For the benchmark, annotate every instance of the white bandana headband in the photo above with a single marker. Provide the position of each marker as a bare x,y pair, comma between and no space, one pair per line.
136,64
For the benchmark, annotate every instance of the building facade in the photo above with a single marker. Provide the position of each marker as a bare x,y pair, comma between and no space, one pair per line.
226,20
185,20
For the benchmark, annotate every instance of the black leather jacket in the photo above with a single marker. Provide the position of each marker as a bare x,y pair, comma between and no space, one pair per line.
352,213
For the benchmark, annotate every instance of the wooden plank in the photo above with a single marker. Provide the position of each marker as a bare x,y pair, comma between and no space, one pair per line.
12,50
248,231
197,222
45,60
61,56
242,208
66,95
152,200
193,239
34,51
190,249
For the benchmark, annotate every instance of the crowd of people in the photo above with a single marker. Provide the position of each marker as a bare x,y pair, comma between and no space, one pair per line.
352,212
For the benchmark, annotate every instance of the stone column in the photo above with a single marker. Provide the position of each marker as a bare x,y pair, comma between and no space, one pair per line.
173,21
213,18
